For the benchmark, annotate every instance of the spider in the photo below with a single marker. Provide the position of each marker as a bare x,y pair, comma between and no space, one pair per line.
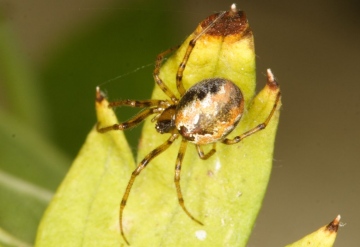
206,113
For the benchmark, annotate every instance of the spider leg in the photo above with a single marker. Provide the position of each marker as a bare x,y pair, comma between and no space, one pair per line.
138,118
201,152
159,81
137,171
179,160
271,82
140,103
182,66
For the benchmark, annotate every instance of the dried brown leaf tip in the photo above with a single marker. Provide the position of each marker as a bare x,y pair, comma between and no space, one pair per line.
333,226
271,81
232,22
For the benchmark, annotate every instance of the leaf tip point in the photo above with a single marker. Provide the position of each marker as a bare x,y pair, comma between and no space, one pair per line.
99,95
271,82
233,8
333,226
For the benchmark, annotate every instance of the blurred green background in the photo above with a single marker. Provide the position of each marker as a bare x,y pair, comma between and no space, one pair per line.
54,54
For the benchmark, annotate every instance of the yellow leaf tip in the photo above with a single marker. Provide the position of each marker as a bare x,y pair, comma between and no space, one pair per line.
333,226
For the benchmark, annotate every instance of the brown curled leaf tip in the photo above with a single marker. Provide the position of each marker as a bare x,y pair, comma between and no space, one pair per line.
271,82
334,225
233,22
99,95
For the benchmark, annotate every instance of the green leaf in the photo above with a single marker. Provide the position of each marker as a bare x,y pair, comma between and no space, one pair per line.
27,158
85,206
30,166
31,169
7,239
225,192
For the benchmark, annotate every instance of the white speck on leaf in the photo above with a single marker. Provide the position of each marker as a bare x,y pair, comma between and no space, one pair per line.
201,235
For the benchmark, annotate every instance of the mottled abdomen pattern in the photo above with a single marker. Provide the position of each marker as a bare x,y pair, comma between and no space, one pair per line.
209,111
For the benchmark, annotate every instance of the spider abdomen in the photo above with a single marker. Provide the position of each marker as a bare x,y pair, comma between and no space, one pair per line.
209,111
